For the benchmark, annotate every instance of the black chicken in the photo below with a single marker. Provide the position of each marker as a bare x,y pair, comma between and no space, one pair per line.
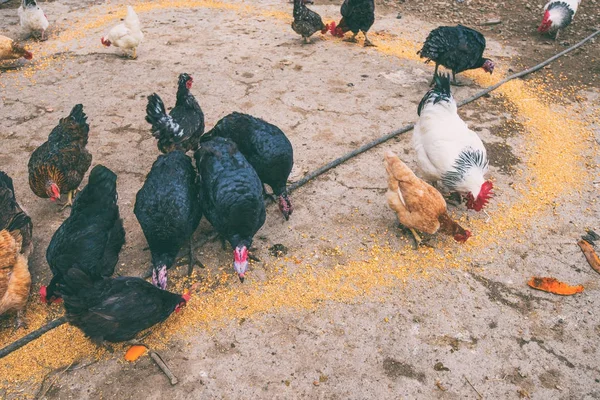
182,127
91,237
116,309
266,148
232,196
59,164
168,209
306,21
10,212
357,15
457,48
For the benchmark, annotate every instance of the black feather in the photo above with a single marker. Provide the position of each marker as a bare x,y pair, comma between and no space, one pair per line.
440,92
182,128
116,309
168,206
357,15
232,191
93,235
264,145
457,48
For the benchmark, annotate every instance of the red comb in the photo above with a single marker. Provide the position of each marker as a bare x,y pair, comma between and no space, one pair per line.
332,26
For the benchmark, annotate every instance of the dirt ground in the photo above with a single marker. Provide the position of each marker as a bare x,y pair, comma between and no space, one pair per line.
452,322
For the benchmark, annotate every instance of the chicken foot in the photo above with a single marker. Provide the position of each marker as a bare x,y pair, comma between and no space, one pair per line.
455,82
69,202
368,43
192,259
417,238
306,40
352,39
20,322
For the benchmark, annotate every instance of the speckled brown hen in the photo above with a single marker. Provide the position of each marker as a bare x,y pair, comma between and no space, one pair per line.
418,205
306,21
59,164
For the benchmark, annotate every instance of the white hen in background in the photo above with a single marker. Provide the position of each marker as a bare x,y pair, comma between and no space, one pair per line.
558,14
33,18
127,35
447,150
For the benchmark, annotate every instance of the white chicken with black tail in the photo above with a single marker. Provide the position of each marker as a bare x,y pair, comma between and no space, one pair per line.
127,35
32,18
558,14
447,150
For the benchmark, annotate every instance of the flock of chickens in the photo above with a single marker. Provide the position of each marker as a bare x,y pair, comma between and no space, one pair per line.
224,181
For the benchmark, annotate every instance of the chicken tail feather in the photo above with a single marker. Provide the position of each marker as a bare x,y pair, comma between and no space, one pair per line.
164,127
440,92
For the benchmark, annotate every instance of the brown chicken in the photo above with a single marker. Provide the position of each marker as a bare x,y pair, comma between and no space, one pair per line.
418,205
59,164
15,280
10,50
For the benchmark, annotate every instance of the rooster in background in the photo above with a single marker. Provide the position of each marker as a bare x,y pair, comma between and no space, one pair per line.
448,150
116,309
307,22
33,19
59,164
232,196
457,48
92,237
182,127
266,148
10,210
168,209
357,15
558,14
418,205
15,279
10,50
127,35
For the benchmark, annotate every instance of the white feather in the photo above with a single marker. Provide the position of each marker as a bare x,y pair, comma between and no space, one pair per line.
439,137
559,15
127,35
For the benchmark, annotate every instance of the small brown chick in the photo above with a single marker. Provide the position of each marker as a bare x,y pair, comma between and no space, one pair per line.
418,205
10,50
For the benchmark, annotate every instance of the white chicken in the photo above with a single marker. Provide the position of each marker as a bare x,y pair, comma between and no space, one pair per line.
127,35
558,14
33,19
447,150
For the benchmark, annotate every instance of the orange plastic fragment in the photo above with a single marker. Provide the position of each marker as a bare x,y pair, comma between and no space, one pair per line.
555,286
590,255
135,352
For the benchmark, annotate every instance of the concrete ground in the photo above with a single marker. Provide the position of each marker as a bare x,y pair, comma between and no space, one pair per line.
351,311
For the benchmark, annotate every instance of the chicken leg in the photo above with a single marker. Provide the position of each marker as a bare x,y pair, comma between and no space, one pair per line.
352,39
454,81
368,43
192,259
69,202
134,55
418,239
20,322
435,72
